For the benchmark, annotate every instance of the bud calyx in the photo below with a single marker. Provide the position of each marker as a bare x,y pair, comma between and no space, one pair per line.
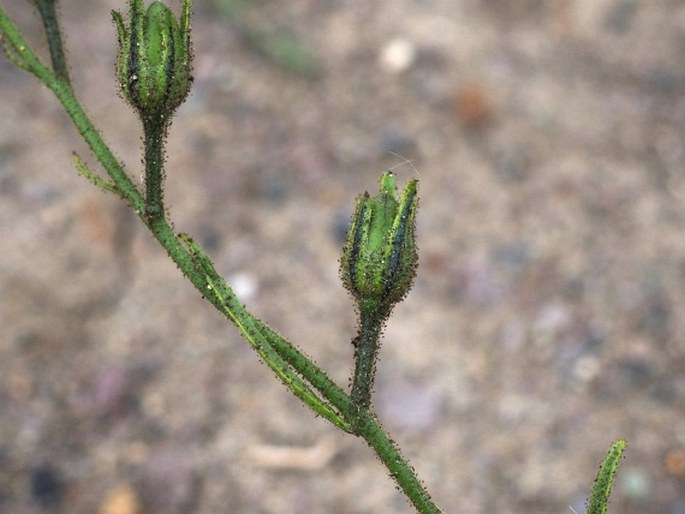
379,258
154,63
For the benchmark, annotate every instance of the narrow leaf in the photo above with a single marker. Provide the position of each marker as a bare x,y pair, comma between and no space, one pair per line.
599,500
254,332
90,175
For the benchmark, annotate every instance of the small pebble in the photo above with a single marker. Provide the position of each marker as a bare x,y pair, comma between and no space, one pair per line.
275,189
114,389
244,284
121,500
397,56
675,462
473,105
515,255
47,487
587,368
636,371
634,483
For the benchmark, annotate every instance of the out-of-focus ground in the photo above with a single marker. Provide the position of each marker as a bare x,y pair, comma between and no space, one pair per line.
546,320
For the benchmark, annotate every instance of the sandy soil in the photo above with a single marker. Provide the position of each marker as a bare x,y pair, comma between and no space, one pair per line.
545,321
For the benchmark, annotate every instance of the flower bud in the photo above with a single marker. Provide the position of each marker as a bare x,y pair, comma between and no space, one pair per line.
379,258
154,63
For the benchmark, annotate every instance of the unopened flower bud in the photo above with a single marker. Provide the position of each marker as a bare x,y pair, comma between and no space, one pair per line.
379,258
154,64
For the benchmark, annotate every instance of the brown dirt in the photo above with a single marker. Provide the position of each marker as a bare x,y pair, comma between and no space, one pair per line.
548,139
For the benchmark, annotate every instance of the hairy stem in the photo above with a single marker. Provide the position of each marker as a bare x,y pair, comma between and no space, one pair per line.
154,129
305,366
48,13
21,54
295,370
365,355
405,476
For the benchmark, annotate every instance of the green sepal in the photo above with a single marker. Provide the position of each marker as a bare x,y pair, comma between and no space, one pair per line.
379,258
155,57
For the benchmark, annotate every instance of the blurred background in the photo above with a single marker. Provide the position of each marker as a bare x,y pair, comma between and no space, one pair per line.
545,321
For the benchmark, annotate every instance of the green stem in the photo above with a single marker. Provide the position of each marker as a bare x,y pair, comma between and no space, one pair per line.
360,421
309,370
365,355
400,470
154,129
21,54
288,363
47,9
123,183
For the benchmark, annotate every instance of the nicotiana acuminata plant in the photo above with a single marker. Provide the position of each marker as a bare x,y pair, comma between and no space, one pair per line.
379,258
